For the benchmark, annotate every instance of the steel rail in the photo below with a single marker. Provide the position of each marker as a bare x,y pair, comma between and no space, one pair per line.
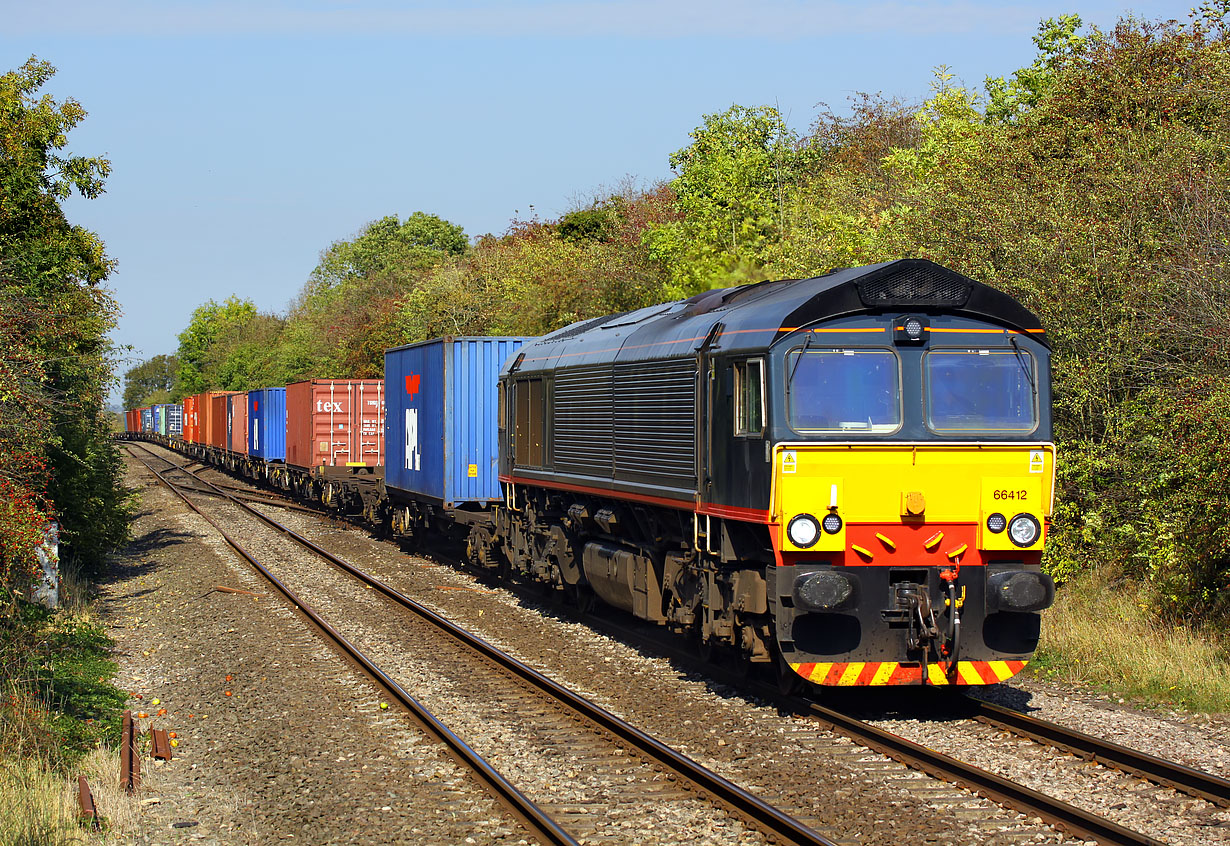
534,818
767,817
1074,820
1198,783
235,490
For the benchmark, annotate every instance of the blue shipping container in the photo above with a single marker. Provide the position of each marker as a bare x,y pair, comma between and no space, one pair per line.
147,419
169,419
440,423
267,424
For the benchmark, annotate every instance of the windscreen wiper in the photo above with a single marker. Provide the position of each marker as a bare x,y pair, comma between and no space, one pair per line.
802,352
1020,357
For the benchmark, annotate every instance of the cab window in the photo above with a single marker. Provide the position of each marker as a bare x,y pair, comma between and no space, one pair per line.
749,397
847,391
989,391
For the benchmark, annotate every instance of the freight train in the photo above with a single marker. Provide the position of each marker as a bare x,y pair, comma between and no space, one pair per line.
847,479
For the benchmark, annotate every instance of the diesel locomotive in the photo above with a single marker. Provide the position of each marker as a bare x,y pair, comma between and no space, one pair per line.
849,475
846,479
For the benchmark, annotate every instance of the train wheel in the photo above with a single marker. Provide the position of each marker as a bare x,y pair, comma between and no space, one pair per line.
789,682
705,649
581,596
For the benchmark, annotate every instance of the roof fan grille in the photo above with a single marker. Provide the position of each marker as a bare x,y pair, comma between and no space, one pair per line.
915,286
579,327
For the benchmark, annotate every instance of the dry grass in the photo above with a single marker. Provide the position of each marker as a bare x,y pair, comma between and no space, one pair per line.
38,805
1101,632
75,593
119,811
32,810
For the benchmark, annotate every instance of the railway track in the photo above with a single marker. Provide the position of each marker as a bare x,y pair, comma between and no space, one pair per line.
1193,782
1064,815
1079,822
615,766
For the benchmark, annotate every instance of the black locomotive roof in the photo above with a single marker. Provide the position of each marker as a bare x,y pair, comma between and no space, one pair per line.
754,316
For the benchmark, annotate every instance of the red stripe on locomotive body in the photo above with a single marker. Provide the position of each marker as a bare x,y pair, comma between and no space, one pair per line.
734,512
983,668
729,512
906,675
911,551
910,540
835,673
681,504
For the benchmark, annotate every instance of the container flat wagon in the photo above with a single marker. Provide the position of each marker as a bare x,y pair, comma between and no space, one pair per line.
334,442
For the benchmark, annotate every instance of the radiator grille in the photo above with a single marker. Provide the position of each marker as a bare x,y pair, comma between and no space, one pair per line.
655,418
581,421
630,422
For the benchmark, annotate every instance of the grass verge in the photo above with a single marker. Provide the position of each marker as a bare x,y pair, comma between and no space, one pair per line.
1103,632
58,713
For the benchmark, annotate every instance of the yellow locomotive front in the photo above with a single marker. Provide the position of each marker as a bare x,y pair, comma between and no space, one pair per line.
911,499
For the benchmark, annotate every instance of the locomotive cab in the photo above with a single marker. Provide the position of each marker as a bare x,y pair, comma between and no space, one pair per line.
912,486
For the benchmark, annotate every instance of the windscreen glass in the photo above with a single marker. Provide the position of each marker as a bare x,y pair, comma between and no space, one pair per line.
847,391
989,391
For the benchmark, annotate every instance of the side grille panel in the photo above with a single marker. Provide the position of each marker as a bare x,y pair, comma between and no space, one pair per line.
655,419
583,431
635,421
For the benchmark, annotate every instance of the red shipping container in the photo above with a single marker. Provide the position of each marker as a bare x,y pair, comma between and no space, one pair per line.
213,418
192,420
237,422
335,423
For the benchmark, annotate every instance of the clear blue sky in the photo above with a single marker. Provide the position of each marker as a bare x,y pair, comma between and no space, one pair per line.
246,136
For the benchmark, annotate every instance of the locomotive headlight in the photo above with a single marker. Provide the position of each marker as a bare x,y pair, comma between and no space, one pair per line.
803,530
832,523
1024,529
910,329
996,523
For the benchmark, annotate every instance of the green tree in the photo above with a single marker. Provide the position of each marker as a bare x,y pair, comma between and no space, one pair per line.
247,355
210,323
1058,43
151,381
346,314
57,361
389,246
731,191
